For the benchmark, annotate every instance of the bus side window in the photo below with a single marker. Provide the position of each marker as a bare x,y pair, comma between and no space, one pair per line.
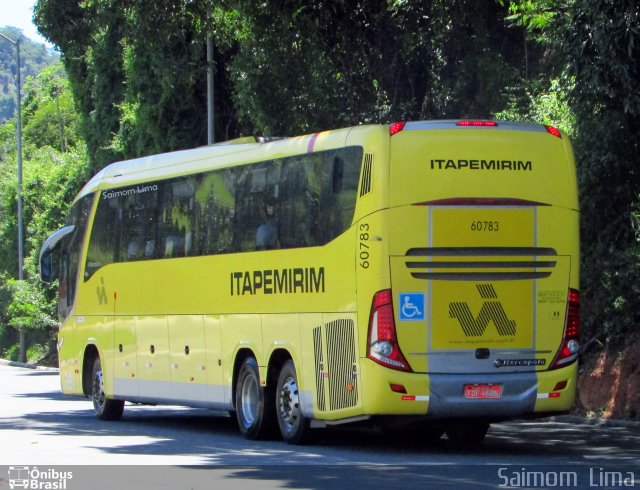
250,186
138,222
318,196
175,219
214,211
339,192
105,235
297,204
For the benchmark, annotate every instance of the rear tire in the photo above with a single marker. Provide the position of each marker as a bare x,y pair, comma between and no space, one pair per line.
104,408
255,405
294,427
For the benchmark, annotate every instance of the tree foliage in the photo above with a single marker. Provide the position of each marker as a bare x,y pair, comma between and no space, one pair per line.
138,69
54,168
604,47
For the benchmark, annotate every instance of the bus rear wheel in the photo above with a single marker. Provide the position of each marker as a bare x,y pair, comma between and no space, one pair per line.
294,427
255,405
104,408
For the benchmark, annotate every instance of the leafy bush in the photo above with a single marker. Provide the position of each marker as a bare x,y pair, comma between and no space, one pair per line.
13,353
36,352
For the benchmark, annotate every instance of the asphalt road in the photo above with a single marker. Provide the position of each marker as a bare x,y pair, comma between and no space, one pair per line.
172,447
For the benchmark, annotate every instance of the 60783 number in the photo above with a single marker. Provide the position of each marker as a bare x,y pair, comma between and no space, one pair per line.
478,225
363,250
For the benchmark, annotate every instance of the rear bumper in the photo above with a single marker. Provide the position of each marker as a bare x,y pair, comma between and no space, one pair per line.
441,396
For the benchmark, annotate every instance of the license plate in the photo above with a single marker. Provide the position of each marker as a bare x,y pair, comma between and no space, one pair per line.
482,391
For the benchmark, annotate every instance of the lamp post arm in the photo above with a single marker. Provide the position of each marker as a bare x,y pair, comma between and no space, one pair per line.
8,39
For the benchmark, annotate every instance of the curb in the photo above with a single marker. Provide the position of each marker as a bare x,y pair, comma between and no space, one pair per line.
5,362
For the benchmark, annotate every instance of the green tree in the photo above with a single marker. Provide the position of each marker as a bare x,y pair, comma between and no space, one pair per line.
137,72
89,34
164,105
604,46
308,66
138,69
54,168
588,83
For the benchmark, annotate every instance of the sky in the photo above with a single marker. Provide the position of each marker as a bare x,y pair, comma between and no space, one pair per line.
18,13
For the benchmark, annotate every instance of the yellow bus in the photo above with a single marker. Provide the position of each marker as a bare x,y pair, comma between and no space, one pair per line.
421,276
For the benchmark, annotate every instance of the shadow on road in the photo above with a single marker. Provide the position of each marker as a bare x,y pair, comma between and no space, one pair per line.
214,436
212,439
205,446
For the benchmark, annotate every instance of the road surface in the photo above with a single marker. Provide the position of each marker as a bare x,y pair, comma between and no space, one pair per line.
173,447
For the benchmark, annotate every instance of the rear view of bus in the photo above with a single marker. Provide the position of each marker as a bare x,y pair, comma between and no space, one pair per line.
484,266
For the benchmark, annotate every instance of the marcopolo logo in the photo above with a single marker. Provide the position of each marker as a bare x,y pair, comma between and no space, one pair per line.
491,310
41,479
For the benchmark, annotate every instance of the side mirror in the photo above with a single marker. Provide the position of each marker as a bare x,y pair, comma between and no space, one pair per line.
49,260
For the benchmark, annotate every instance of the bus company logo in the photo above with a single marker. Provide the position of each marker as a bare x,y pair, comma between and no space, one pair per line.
480,164
277,281
102,292
490,311
33,478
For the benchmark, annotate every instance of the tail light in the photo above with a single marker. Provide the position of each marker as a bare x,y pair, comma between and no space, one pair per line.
396,127
570,345
477,124
554,131
383,345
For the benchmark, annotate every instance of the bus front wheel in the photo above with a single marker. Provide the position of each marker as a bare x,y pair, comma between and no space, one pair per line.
254,404
104,408
294,427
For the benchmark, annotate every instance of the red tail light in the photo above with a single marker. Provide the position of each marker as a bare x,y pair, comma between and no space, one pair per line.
477,124
570,346
554,131
382,346
396,127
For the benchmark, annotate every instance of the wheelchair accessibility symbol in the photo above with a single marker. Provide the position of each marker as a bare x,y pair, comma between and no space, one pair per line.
412,306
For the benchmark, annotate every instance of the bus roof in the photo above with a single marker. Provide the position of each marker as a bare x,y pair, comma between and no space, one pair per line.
223,154
219,155
164,164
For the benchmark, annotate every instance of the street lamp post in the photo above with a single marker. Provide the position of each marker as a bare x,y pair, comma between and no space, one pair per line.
210,92
16,43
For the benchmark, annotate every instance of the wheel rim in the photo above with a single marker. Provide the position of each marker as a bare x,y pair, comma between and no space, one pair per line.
98,391
289,403
249,400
